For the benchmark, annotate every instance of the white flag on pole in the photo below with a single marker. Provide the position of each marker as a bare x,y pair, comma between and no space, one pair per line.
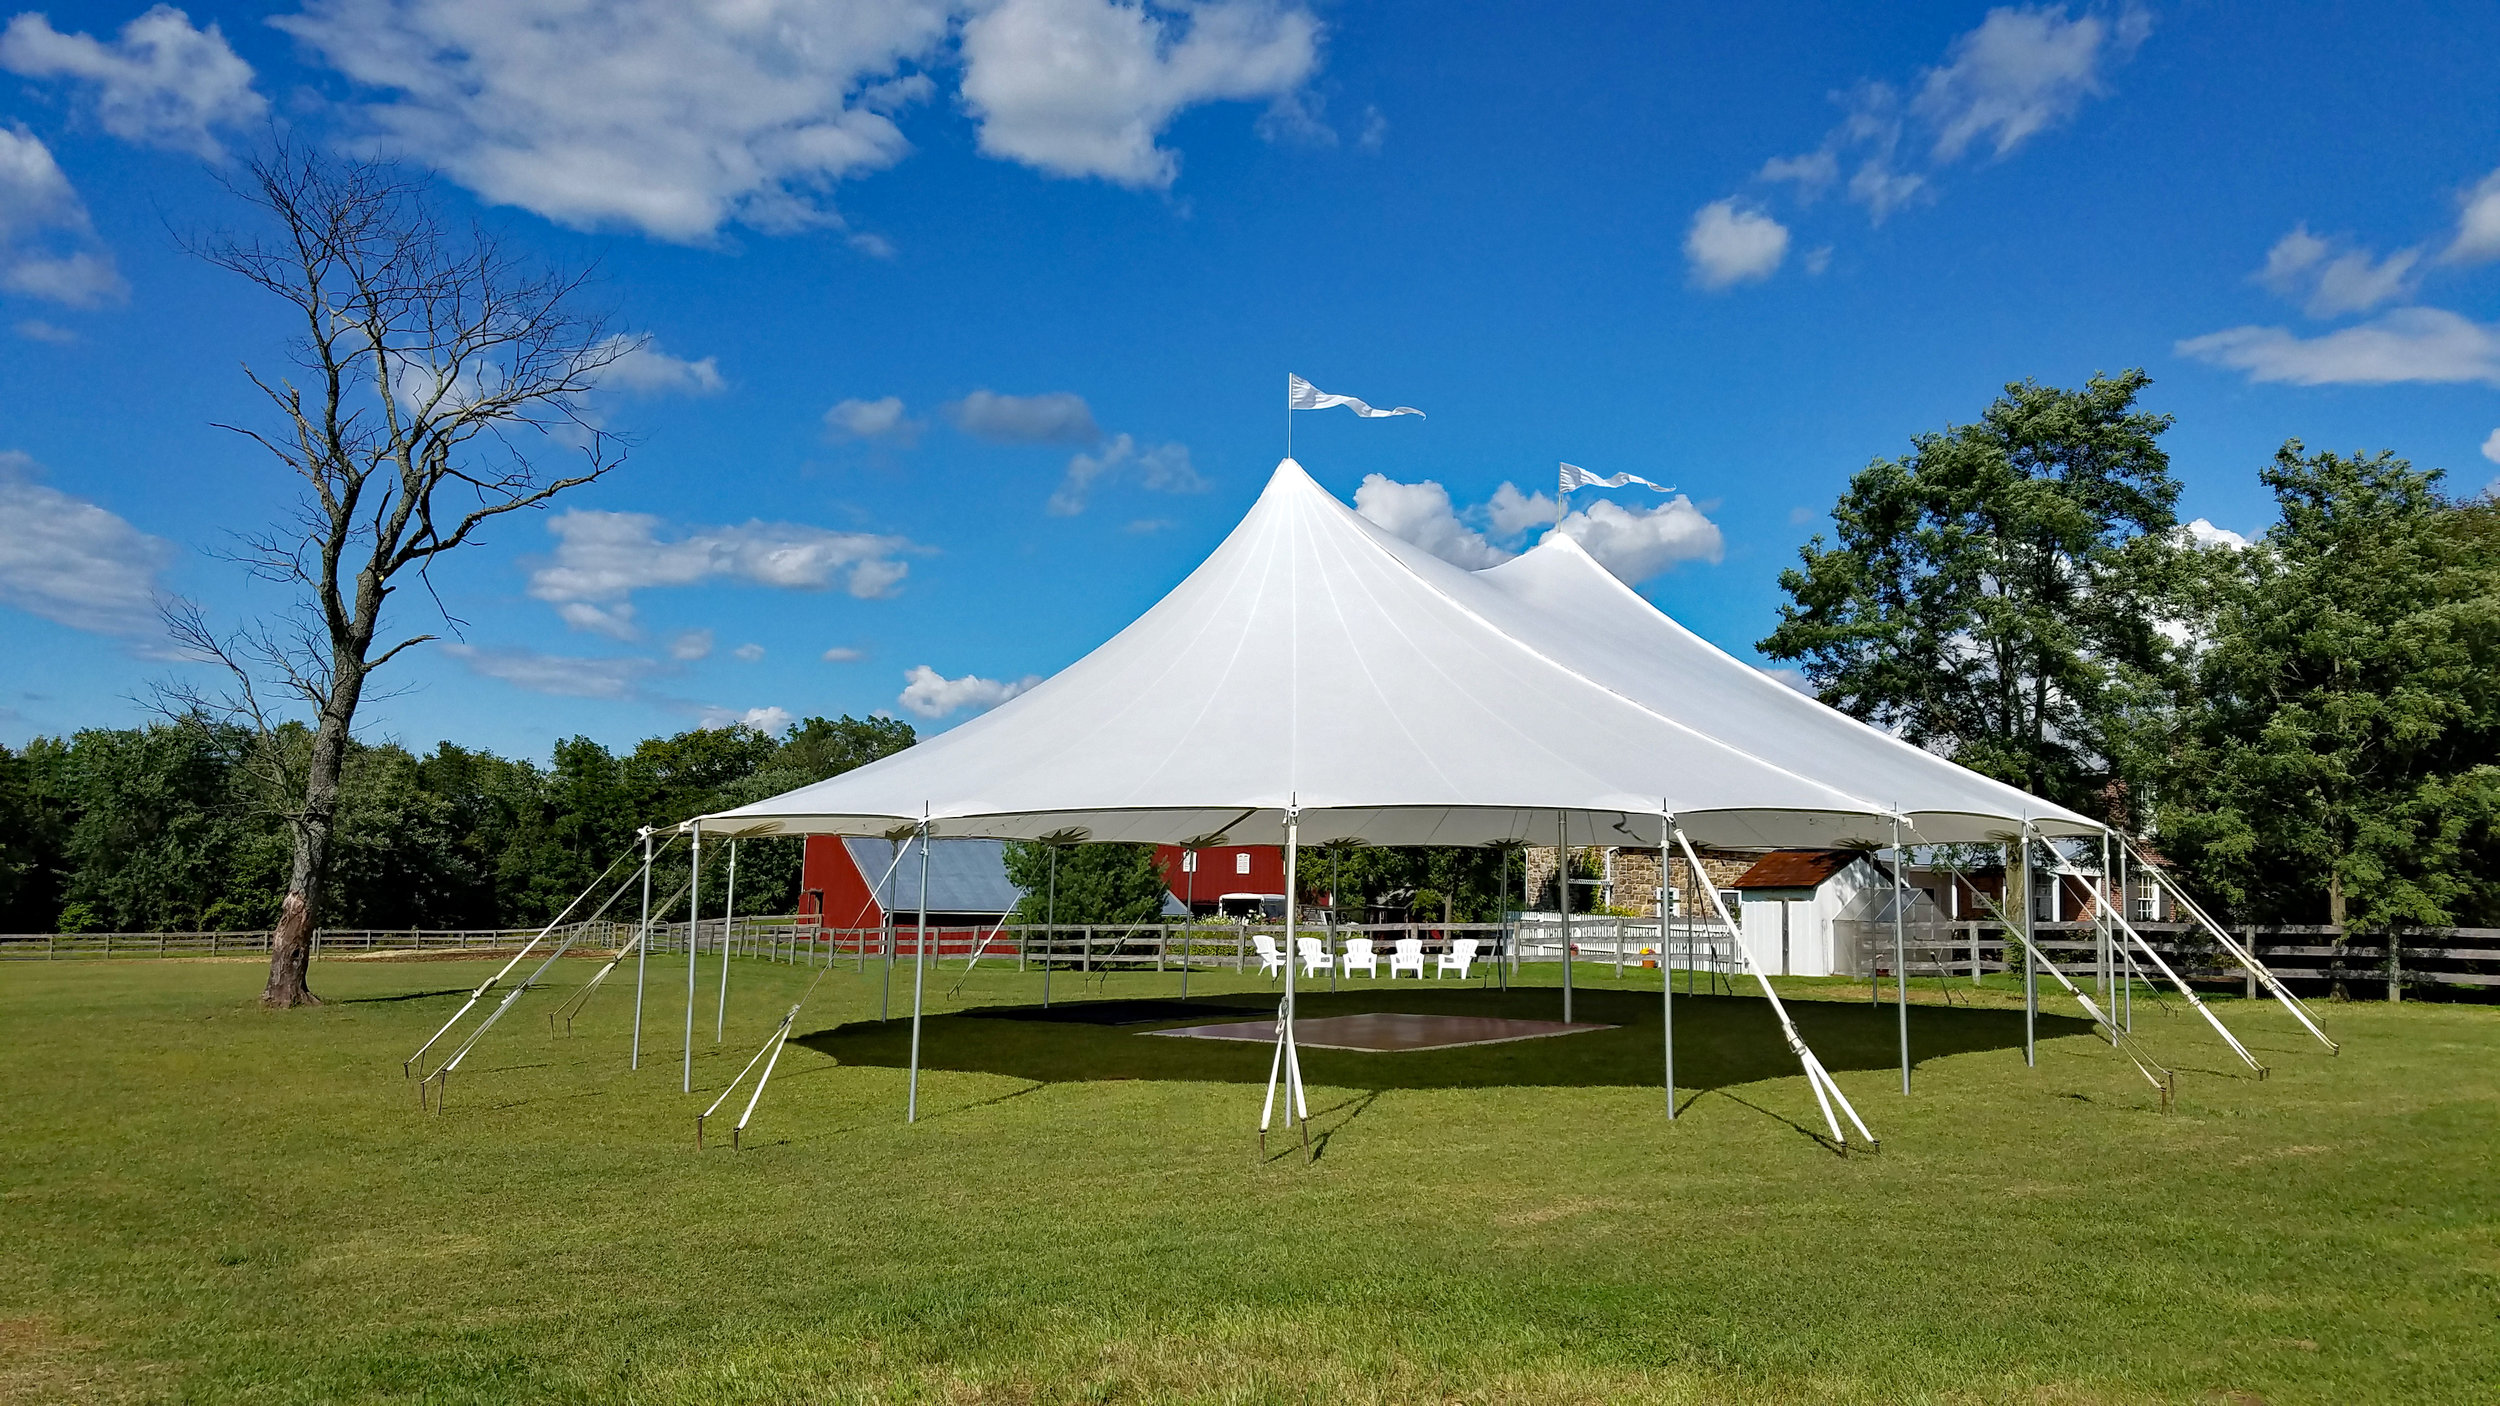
1573,476
1302,395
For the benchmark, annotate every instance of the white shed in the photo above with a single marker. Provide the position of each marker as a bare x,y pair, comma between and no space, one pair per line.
1794,902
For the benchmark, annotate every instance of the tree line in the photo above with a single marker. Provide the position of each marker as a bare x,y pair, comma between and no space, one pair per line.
184,824
2307,725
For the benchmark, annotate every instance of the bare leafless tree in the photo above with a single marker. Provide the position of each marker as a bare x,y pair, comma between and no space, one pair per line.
440,377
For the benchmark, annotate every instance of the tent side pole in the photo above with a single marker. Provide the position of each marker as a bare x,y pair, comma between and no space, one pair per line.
728,925
1299,1108
2031,987
642,946
694,944
1666,965
1826,1091
1900,955
919,967
1562,887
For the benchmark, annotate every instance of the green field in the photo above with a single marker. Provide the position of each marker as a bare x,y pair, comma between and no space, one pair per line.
207,1202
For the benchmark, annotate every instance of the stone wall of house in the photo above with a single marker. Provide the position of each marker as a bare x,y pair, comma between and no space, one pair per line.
1634,873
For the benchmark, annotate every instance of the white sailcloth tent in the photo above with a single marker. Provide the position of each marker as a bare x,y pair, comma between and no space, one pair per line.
1317,678
1315,663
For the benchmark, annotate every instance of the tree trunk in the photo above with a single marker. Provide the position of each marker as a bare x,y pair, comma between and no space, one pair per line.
290,945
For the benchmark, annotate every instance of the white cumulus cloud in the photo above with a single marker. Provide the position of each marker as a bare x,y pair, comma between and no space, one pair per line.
747,653
1087,87
930,694
603,557
662,116
1053,417
1728,244
163,82
1638,543
1164,468
1512,512
843,654
642,368
771,721
1422,513
48,249
2329,280
2478,224
881,418
1634,543
2024,70
2203,533
2491,447
560,675
2403,344
72,562
687,646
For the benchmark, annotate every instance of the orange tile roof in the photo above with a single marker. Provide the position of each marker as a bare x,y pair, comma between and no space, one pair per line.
1795,868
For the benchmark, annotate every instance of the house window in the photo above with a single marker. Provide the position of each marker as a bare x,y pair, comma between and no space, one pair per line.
2148,900
1241,864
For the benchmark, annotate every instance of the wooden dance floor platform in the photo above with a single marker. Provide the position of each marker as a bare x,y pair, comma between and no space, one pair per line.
1386,1031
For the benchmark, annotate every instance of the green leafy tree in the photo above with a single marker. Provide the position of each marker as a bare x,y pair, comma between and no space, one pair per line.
1106,883
2337,759
1996,594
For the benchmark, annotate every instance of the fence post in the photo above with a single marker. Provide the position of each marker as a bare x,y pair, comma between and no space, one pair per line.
2395,968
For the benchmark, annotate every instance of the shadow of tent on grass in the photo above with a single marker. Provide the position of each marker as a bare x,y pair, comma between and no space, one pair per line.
1720,1041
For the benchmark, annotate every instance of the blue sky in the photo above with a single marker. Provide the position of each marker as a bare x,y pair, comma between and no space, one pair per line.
969,323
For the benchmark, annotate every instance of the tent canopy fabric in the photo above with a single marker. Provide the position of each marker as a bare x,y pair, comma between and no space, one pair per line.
1578,612
1317,664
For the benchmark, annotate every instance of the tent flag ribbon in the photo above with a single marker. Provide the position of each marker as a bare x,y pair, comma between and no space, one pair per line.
1302,395
1574,477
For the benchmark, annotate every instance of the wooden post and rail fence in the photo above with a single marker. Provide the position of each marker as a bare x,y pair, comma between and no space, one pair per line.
2314,956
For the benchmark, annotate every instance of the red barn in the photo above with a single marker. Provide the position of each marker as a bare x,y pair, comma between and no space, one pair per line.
844,882
1202,877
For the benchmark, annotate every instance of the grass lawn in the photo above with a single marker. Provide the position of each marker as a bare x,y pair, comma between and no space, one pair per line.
202,1201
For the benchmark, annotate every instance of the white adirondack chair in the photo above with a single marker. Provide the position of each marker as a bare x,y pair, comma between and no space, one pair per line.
1407,956
1315,956
1359,954
1271,959
1461,952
